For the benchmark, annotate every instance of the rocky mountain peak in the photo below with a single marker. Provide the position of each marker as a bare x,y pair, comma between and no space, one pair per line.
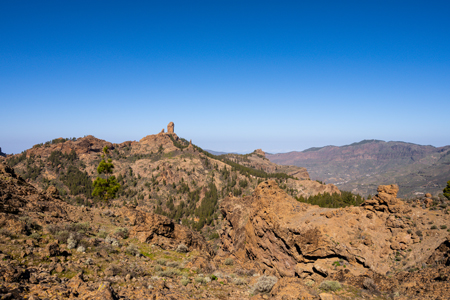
260,152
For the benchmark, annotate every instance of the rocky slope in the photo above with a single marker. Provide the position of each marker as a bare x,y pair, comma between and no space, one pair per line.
161,173
385,240
361,167
50,249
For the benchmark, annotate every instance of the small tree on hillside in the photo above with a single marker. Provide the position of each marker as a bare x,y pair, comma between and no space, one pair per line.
447,190
105,188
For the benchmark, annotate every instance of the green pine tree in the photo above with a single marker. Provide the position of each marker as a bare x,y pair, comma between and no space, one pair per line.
105,188
447,190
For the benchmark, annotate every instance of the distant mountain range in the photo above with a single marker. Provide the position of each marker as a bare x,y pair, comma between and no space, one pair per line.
361,167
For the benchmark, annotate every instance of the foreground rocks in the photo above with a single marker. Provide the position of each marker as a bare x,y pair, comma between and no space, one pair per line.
286,238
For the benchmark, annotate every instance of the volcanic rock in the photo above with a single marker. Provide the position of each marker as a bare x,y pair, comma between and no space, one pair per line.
164,232
288,238
385,200
170,128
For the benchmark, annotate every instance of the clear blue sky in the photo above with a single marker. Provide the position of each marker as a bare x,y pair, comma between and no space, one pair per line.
231,75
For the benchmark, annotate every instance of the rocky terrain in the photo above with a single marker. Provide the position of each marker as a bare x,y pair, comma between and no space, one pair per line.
386,246
361,167
271,247
161,173
191,225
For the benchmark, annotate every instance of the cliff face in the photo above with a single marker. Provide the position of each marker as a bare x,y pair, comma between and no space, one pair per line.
361,167
288,238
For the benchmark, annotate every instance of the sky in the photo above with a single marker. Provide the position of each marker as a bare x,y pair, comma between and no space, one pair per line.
232,75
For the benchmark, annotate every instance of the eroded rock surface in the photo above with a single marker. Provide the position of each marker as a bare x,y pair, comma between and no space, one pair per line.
291,239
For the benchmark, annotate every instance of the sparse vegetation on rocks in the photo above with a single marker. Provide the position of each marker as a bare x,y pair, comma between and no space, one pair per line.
54,248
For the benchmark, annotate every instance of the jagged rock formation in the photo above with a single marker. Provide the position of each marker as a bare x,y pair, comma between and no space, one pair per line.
164,232
171,128
1,153
386,200
288,238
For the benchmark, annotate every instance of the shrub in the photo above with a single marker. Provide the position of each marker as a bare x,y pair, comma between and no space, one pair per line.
5,232
244,272
102,234
238,281
419,233
264,284
200,279
81,249
110,240
132,250
213,236
328,285
172,264
161,262
228,261
170,273
443,226
434,227
182,248
185,281
121,232
71,242
157,268
35,236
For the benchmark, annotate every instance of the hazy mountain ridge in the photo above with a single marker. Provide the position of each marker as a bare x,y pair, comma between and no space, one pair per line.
361,167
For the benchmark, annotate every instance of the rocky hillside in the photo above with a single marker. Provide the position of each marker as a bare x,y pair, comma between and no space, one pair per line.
271,247
386,246
50,249
161,173
361,167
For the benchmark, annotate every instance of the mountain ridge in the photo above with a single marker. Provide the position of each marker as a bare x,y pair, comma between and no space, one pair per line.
360,167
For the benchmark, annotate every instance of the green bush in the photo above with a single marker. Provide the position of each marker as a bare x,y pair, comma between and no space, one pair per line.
157,268
132,250
121,232
331,286
170,273
173,264
228,262
200,279
334,200
35,236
